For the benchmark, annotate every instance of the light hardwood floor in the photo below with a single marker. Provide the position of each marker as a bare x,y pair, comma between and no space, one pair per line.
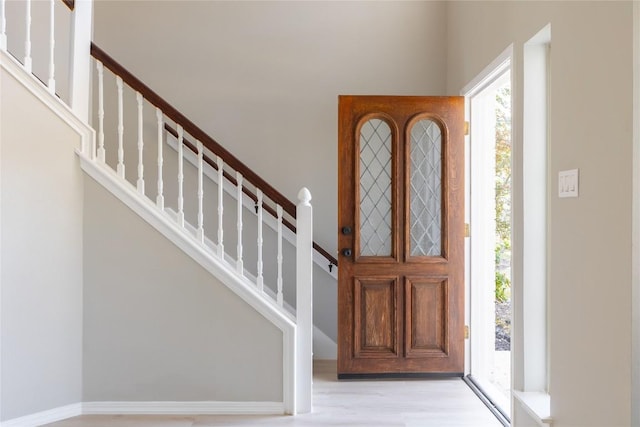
412,403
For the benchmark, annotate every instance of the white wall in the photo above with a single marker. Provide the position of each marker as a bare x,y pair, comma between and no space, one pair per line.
158,327
263,77
41,260
590,237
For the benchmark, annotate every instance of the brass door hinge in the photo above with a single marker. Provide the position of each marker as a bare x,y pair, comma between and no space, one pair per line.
466,128
466,332
467,230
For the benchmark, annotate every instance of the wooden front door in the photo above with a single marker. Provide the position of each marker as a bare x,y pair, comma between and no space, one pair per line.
401,236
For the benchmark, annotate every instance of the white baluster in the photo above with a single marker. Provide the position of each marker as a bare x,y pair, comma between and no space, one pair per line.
140,183
200,194
279,298
52,42
27,43
180,177
220,164
260,278
101,152
160,198
239,264
120,167
3,26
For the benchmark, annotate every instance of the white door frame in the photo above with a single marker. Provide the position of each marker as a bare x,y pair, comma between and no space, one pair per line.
480,214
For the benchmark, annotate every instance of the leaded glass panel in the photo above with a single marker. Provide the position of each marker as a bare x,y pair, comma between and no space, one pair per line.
375,189
426,189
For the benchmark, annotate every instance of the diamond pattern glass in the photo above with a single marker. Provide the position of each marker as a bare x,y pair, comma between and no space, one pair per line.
375,188
426,189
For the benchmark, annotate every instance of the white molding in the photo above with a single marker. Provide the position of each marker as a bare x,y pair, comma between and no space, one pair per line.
146,408
490,73
538,405
231,190
200,253
45,417
41,92
182,408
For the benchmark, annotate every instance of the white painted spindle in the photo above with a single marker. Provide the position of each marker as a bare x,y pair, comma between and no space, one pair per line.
140,183
200,194
220,164
101,152
304,302
27,42
120,167
3,26
239,264
160,198
52,42
260,266
180,176
279,297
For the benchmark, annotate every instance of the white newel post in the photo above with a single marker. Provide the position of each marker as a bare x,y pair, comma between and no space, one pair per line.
80,57
304,302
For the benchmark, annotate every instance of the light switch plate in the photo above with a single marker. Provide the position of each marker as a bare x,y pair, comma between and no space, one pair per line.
568,183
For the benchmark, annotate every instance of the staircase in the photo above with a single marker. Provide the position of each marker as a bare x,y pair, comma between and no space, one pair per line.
189,188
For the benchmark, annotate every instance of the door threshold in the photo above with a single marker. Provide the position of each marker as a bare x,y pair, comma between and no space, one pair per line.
486,399
400,375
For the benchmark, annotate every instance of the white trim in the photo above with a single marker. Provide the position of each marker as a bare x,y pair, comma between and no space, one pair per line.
537,405
486,78
480,211
146,408
536,193
200,253
491,72
45,417
182,408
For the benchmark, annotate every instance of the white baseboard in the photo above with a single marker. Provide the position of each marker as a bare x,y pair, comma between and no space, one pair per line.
45,417
146,408
182,408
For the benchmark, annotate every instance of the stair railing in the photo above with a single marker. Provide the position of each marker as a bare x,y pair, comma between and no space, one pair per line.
265,197
29,31
228,171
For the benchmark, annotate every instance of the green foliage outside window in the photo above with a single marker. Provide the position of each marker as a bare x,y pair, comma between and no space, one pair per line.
503,194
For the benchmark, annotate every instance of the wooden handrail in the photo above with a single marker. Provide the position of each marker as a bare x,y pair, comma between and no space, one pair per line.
192,129
71,4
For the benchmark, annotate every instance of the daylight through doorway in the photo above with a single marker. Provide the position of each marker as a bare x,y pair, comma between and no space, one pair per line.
489,243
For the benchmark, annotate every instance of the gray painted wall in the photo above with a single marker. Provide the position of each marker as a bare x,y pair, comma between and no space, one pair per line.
41,260
158,327
591,115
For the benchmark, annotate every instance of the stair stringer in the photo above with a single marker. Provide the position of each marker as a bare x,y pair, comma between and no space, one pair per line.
200,253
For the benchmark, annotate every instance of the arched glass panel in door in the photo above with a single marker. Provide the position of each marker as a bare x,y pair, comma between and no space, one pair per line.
426,189
375,189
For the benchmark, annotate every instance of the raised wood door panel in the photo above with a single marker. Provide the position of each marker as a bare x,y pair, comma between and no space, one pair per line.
401,231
